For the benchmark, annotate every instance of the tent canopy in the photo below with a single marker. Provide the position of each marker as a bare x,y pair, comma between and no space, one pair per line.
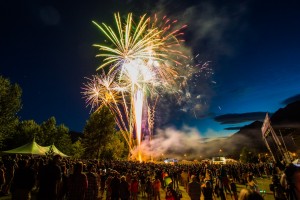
55,150
296,162
32,148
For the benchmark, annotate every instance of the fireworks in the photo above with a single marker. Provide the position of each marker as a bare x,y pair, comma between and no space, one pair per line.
191,97
101,90
143,60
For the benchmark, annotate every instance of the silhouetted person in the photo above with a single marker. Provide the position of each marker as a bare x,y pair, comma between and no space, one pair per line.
23,181
292,176
156,188
93,186
49,180
134,188
115,187
207,191
77,183
10,165
170,193
2,175
124,189
234,190
62,193
220,186
194,189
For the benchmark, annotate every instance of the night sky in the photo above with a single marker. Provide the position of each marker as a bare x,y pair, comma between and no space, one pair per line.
253,48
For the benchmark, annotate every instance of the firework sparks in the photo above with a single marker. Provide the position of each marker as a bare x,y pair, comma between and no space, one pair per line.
143,60
101,90
190,96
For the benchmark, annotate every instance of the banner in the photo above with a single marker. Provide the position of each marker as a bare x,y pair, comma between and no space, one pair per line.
266,125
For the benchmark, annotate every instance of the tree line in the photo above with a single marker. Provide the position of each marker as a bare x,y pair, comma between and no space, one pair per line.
100,138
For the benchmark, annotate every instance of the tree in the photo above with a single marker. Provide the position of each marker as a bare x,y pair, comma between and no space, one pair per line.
248,155
97,131
63,140
77,149
48,132
111,152
10,105
55,134
25,132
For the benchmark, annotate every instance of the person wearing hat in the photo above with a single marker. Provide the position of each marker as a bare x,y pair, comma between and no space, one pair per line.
194,189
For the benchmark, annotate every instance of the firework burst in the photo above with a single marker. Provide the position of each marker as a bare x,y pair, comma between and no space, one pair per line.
143,60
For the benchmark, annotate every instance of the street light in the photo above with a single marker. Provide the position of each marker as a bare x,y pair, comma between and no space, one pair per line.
220,152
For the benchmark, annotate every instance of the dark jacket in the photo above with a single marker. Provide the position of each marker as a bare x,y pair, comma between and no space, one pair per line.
194,190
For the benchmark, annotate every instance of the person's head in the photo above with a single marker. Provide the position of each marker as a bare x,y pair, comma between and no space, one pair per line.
63,168
22,163
56,159
194,178
169,187
123,178
208,184
91,167
247,194
78,167
292,173
275,178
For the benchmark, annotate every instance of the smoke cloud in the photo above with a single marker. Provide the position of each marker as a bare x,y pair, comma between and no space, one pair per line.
187,143
212,30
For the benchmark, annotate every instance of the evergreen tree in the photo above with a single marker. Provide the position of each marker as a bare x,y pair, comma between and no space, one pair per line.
97,132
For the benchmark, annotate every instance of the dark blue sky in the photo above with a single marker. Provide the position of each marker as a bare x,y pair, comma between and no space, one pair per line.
253,48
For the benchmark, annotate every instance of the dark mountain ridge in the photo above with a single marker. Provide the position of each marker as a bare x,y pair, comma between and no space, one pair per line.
285,121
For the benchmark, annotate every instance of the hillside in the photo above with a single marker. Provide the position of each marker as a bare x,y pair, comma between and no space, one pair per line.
285,121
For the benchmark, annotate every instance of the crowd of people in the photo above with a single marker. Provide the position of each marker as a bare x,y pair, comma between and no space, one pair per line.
65,178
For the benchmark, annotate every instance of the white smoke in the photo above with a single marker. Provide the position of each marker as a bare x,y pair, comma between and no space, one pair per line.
186,143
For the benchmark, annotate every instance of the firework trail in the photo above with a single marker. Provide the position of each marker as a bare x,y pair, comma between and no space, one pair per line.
143,60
